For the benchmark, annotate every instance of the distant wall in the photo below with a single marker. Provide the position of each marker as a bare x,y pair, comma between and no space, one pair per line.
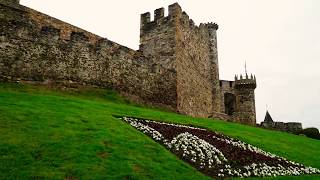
292,127
37,47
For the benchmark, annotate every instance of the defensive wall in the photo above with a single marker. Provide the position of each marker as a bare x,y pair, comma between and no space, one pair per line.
175,67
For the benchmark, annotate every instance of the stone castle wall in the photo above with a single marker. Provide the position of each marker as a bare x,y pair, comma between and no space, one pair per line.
293,127
32,47
176,65
197,69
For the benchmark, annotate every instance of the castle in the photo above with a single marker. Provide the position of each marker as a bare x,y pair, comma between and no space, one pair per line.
175,67
268,123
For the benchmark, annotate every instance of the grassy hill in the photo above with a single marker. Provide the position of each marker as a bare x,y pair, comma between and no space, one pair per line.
51,134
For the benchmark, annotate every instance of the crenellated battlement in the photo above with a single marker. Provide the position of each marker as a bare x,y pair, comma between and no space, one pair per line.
177,59
174,11
104,42
145,18
212,25
79,37
176,43
226,84
158,14
245,81
51,32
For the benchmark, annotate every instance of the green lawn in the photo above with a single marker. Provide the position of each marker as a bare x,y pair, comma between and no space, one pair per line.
51,134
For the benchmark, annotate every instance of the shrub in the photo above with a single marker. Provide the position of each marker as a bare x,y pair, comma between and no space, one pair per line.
311,133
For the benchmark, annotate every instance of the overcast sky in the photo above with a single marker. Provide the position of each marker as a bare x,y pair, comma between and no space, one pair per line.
279,39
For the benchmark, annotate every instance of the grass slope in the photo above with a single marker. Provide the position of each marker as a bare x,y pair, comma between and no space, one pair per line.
48,134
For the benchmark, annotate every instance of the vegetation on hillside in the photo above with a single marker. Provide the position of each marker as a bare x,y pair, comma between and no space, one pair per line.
72,134
311,133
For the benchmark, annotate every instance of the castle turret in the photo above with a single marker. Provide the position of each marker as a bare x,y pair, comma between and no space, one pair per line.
158,37
213,56
245,100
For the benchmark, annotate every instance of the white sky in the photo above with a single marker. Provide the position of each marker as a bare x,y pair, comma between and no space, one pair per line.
279,39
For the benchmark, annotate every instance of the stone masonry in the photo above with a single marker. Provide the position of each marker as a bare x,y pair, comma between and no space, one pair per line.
175,67
268,123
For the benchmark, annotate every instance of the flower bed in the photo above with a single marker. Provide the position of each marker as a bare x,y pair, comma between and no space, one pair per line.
215,154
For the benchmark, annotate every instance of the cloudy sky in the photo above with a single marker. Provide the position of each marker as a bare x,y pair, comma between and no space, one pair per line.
279,39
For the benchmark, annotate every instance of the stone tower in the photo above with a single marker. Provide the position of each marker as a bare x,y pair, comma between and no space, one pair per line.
176,66
176,43
245,111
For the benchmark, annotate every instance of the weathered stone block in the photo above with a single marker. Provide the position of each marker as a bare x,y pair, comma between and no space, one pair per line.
175,67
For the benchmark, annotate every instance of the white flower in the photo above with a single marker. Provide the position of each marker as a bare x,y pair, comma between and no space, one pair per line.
205,155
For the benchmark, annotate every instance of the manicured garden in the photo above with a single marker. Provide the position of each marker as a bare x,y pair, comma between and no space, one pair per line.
217,155
74,134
